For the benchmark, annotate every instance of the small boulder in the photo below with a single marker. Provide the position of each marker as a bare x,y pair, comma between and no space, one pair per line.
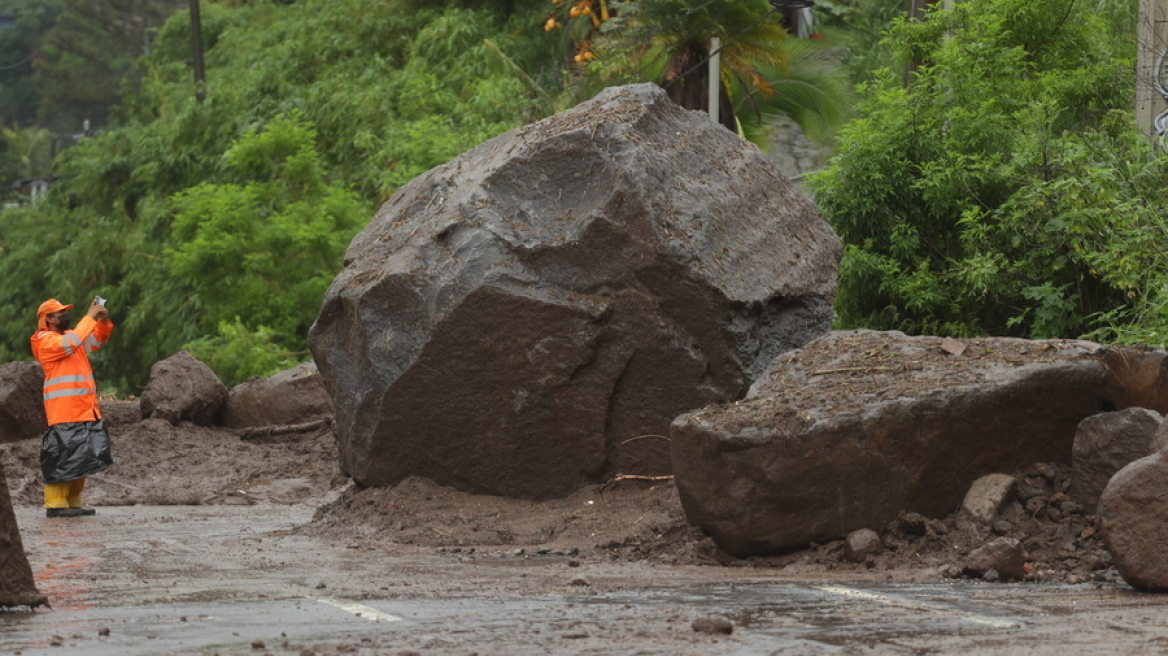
911,523
1133,512
861,544
1005,557
1160,440
182,388
986,497
294,396
713,624
22,410
1106,443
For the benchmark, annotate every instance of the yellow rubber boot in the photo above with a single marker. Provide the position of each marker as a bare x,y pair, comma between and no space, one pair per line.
75,489
57,494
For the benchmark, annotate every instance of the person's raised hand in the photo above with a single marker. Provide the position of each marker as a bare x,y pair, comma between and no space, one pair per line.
97,311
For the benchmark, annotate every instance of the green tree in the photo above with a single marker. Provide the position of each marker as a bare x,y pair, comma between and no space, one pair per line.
236,353
189,215
856,29
30,151
941,189
19,47
89,55
264,249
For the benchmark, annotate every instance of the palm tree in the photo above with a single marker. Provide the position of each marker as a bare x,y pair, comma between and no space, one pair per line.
31,150
763,70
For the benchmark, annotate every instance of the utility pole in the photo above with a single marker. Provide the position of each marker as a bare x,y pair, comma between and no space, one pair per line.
715,82
197,47
1152,71
916,11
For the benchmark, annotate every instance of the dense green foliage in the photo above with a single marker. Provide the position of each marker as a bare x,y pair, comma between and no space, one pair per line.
856,28
88,57
63,62
19,43
1005,190
218,225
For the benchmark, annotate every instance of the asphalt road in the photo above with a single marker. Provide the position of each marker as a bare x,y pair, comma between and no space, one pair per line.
235,580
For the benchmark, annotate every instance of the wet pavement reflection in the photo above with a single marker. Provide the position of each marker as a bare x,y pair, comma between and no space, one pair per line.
206,580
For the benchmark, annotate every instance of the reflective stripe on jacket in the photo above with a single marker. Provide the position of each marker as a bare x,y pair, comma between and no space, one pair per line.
70,393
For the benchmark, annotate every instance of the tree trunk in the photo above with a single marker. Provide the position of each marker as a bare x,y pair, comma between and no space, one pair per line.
686,82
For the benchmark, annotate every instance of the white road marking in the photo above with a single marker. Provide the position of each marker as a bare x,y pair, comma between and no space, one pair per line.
916,605
360,610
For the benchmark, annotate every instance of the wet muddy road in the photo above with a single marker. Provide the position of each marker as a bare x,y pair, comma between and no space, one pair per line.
234,580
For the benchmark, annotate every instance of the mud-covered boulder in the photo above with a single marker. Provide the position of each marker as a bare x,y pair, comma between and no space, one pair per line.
858,545
17,587
1133,513
182,388
292,396
1106,443
533,314
1005,556
1160,439
22,408
859,425
987,496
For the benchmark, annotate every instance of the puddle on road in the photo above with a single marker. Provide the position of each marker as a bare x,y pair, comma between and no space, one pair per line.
834,615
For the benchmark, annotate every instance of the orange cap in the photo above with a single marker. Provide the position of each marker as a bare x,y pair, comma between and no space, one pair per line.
50,306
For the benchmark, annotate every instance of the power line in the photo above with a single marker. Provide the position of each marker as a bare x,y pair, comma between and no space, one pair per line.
17,64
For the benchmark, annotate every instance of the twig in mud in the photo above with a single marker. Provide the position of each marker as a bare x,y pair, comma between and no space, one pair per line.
846,369
638,477
642,437
271,431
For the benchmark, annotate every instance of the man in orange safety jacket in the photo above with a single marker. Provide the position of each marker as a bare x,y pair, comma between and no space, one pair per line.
76,444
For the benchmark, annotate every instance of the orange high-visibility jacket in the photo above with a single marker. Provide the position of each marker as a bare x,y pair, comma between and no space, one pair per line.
70,392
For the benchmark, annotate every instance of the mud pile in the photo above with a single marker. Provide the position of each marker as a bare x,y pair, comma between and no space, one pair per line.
185,464
639,521
629,518
624,520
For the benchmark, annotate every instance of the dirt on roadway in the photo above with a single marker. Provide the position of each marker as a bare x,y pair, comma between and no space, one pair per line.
150,580
249,529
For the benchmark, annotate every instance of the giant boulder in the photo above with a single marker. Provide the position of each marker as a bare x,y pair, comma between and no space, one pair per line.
22,409
17,586
859,425
533,314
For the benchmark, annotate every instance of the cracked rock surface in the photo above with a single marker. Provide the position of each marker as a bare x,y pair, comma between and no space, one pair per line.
530,317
